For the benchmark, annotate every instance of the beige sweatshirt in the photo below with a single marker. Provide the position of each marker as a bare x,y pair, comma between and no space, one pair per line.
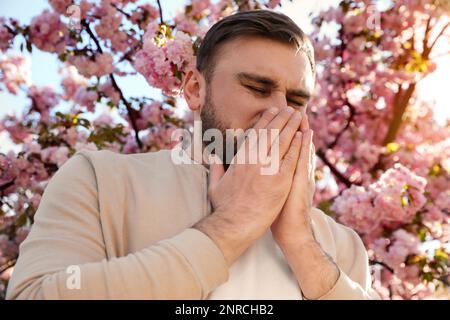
113,226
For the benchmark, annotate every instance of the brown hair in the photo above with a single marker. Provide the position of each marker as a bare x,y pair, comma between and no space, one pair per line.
262,23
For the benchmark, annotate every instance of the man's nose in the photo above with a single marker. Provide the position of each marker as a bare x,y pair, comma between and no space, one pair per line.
279,100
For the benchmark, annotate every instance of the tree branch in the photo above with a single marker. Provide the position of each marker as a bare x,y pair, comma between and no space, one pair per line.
382,264
7,185
349,121
352,108
10,30
403,97
121,11
427,32
7,265
333,169
130,110
437,38
161,20
399,110
127,55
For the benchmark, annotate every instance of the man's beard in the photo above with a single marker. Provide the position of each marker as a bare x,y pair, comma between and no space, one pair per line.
210,120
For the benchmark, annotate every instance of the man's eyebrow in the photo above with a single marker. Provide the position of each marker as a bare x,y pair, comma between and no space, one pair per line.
299,93
243,76
256,78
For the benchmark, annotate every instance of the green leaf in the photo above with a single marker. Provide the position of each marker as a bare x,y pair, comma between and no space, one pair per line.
21,220
441,255
392,147
325,206
427,276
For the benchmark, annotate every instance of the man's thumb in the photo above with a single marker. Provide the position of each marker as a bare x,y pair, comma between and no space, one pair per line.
216,170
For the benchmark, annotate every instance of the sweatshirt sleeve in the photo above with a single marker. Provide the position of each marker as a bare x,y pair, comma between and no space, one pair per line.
64,255
354,281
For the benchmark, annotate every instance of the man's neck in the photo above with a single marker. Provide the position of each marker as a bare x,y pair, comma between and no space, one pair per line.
197,154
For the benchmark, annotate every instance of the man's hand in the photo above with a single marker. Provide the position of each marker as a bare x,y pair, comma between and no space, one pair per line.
314,270
293,225
246,202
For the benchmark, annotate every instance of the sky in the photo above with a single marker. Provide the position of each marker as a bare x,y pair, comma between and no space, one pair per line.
44,66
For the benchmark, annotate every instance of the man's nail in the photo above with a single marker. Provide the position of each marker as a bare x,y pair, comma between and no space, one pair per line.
290,109
273,110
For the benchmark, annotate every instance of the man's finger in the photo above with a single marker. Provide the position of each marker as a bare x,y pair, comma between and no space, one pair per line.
266,118
281,119
313,158
216,170
248,145
289,162
287,134
304,126
305,156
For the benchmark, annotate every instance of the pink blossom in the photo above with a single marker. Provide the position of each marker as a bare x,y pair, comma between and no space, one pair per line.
163,66
357,44
395,251
220,9
32,147
71,136
180,52
130,145
98,65
48,33
409,273
199,7
14,72
152,113
399,194
43,99
186,24
367,154
21,234
104,119
6,36
71,81
7,247
7,173
273,3
333,14
354,23
144,15
86,97
57,155
355,209
60,6
109,29
443,200
16,130
108,89
35,200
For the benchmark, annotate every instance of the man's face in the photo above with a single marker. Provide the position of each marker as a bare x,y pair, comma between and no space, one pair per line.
251,75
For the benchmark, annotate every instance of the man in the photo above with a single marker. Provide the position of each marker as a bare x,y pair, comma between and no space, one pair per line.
142,226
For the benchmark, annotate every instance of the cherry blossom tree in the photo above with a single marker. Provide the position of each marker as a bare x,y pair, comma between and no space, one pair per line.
389,158
383,162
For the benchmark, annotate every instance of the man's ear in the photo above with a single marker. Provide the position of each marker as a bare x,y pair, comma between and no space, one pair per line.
194,89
